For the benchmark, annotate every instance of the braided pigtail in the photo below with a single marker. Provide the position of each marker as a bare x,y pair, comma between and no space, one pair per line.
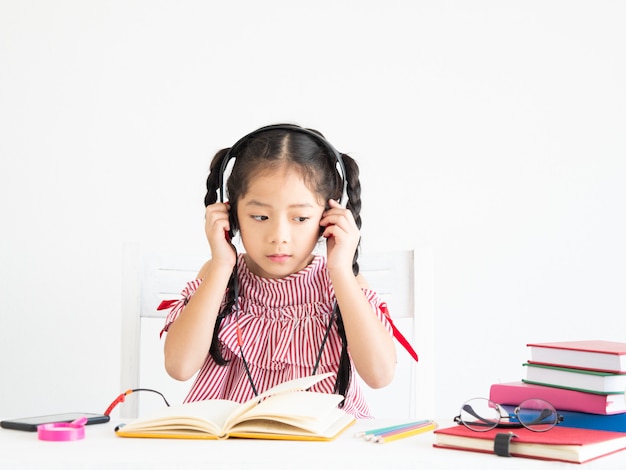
215,350
213,180
354,205
212,186
354,200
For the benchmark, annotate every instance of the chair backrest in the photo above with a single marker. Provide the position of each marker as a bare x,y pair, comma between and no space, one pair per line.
405,280
150,278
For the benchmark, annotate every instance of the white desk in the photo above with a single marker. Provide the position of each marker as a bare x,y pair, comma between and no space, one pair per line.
102,449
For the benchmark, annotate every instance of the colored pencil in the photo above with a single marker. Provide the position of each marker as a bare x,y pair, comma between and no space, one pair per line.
381,439
402,429
377,431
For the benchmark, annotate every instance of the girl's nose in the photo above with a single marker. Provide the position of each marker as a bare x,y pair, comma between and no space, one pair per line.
280,232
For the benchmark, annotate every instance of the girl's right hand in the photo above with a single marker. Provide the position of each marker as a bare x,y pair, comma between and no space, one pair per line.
216,227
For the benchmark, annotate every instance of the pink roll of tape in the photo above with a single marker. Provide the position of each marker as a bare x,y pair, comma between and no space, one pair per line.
73,431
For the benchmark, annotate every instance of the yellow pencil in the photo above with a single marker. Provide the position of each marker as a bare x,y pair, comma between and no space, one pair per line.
401,435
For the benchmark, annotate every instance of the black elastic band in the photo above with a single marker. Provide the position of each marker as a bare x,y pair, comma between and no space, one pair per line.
502,442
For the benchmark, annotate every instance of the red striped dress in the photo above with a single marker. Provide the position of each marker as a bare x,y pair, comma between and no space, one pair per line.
283,322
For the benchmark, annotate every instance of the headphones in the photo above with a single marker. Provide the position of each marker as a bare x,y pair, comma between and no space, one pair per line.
234,150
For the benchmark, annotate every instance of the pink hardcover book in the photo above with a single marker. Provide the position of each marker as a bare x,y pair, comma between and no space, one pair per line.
513,393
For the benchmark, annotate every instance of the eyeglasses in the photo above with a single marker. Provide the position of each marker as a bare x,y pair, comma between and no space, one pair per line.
481,414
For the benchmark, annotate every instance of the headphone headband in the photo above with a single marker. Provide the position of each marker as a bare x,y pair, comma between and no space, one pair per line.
233,151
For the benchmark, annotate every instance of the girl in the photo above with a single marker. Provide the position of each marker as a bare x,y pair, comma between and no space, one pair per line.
278,311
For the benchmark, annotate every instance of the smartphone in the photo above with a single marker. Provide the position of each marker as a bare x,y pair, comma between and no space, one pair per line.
30,424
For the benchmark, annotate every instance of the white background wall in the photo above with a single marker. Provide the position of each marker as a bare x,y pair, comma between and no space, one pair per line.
492,131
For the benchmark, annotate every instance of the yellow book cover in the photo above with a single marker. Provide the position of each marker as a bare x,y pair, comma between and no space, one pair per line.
287,411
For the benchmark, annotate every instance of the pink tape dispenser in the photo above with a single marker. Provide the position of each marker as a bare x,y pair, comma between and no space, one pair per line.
73,431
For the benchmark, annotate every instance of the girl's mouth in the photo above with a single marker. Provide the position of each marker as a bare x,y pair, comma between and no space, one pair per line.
279,258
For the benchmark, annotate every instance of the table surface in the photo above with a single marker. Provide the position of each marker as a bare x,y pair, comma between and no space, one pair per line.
101,448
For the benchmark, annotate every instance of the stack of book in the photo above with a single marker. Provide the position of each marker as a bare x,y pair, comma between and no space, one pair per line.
584,380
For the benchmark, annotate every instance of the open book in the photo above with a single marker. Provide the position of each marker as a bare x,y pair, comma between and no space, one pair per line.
286,411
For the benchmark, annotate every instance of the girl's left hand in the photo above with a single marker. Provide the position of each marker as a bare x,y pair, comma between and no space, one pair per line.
342,235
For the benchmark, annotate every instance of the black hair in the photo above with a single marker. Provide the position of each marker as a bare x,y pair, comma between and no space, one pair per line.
307,154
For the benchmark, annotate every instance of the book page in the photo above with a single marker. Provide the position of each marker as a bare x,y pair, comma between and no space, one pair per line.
206,416
327,428
302,383
296,408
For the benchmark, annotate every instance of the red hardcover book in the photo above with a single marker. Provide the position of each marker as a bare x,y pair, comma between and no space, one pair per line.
513,393
607,356
560,443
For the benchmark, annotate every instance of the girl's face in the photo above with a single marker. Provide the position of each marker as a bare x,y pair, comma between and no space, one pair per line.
279,223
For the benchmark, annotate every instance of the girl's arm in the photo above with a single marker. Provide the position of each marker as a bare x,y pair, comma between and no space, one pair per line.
189,338
371,346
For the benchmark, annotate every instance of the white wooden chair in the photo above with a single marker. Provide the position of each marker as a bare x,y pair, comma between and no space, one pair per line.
402,278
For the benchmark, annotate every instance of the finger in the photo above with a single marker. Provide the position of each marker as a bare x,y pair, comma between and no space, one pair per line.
216,218
341,220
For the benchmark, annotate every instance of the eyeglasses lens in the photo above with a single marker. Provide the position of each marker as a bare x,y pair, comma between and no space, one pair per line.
537,415
480,414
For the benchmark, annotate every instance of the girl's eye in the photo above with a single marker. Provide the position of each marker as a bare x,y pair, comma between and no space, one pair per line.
301,219
259,217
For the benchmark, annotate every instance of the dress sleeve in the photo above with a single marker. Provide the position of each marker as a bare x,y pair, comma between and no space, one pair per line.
177,305
379,307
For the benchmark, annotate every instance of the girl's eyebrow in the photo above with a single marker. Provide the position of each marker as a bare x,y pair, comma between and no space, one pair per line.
255,203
